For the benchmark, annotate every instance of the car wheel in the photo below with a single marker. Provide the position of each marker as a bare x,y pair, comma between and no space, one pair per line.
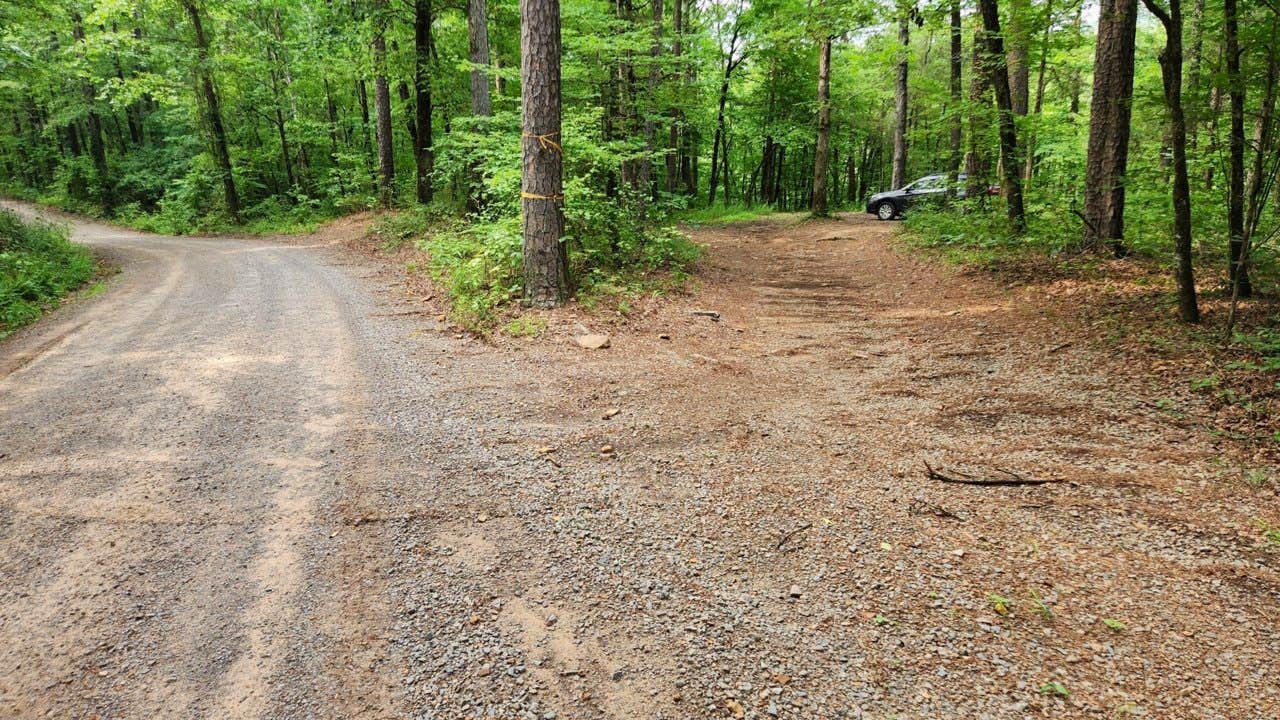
886,210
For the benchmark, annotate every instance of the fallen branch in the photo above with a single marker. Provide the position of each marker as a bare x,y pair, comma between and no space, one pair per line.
792,533
966,479
920,506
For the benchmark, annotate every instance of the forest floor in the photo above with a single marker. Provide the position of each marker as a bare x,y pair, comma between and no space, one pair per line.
264,479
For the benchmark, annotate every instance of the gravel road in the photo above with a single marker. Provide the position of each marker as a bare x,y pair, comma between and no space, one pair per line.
174,459
256,480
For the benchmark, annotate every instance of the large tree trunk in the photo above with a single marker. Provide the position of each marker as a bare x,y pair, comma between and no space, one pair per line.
382,106
546,261
213,113
1010,158
957,81
1235,164
900,102
822,154
1171,74
977,162
423,154
1019,70
1109,126
478,43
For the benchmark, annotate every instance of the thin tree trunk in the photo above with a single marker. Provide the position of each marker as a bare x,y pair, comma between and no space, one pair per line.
1030,150
97,149
546,261
673,132
423,154
1235,196
1009,152
1171,74
729,65
1108,157
213,113
900,101
382,106
651,101
822,154
1262,174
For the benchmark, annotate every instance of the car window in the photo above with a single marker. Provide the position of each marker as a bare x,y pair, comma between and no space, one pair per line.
926,183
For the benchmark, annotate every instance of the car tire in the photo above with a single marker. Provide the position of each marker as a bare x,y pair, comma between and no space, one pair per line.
886,210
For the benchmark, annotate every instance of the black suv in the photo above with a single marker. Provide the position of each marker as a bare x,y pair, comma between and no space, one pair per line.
930,188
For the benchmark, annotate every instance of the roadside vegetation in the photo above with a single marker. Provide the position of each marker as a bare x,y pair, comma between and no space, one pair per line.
38,268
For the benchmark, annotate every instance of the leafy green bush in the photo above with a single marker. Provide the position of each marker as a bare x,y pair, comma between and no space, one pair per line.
38,267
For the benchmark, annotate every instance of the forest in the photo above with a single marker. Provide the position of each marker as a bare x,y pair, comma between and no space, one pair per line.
1112,128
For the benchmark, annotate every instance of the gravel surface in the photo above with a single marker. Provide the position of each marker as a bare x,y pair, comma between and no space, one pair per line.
249,481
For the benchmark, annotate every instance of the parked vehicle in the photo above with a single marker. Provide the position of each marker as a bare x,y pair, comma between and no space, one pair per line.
930,188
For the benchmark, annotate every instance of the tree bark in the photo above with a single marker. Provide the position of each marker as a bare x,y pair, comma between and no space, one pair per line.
1171,74
1235,196
382,106
977,163
213,113
423,154
478,44
900,101
1019,69
546,261
1010,158
1108,157
957,81
822,153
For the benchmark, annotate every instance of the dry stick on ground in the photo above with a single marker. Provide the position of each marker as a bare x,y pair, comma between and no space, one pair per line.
792,533
920,506
963,479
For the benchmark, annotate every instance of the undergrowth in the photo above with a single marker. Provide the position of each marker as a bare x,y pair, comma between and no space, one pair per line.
478,261
38,267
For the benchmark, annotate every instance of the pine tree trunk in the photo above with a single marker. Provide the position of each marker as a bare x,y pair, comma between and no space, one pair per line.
1009,153
1235,196
822,154
546,262
1108,157
900,103
1171,75
382,106
213,113
423,154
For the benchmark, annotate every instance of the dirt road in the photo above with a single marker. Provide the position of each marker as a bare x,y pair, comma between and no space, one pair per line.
244,484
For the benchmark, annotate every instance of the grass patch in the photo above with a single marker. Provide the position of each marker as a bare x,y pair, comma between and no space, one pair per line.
725,214
38,267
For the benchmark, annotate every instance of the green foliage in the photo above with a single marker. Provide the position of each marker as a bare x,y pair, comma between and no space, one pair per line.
38,267
1054,688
